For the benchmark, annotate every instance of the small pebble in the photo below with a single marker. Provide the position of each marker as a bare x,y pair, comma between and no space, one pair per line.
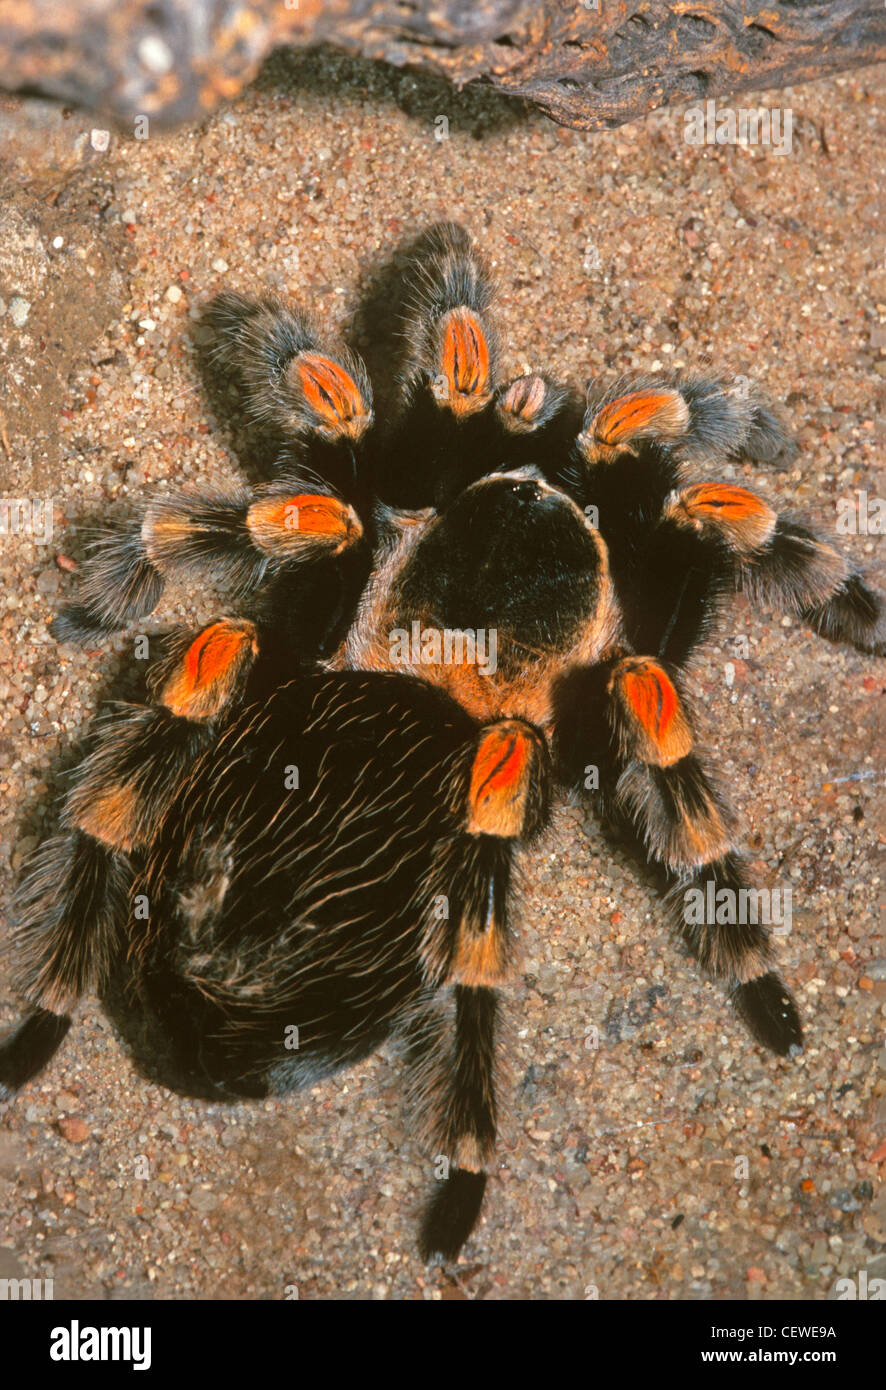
18,310
202,1201
155,55
75,1130
48,581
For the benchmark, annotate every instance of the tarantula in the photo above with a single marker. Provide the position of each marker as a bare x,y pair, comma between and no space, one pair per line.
302,843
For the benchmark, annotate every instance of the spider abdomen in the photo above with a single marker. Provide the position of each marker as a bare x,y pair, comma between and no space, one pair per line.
300,895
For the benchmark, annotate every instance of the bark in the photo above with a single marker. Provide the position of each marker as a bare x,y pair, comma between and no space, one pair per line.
587,63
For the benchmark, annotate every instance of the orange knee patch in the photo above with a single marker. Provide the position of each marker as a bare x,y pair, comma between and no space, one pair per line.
743,519
211,670
657,728
464,364
480,958
112,815
289,525
521,404
166,533
637,415
699,836
501,778
333,398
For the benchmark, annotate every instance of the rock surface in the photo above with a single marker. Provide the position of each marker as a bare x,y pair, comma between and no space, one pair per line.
590,64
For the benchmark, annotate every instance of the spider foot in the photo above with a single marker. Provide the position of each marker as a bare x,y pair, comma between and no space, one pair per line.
27,1050
797,572
768,1010
723,923
854,613
451,1214
699,418
460,1084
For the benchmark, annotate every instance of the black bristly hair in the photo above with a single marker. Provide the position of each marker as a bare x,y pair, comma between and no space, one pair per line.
435,622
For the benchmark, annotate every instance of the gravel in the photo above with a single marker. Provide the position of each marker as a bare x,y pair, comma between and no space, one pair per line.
650,1149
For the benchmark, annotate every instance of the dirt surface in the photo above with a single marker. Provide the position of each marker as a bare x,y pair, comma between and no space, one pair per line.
663,1156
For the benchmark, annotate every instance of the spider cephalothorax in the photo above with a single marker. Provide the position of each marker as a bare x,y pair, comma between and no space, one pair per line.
436,621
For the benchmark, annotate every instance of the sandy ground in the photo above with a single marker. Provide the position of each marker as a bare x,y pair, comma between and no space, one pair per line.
673,1159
